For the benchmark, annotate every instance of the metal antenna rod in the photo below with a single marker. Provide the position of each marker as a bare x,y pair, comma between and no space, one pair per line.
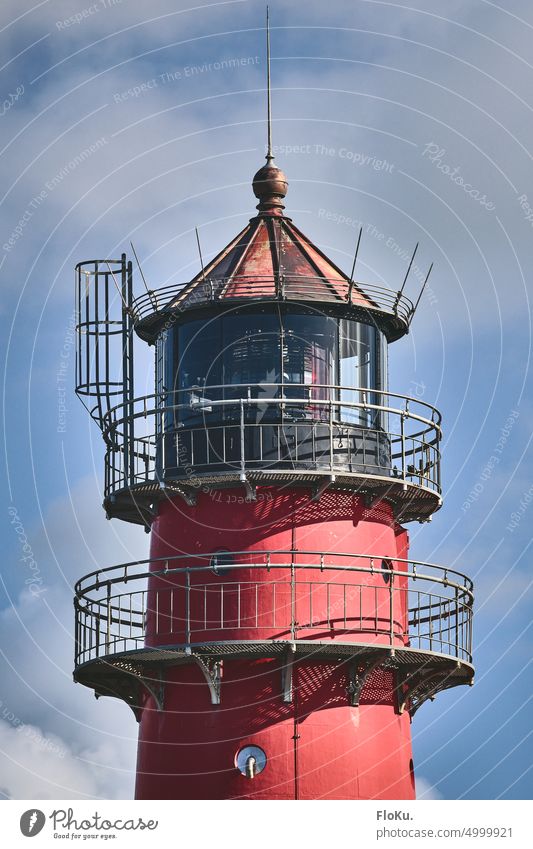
399,295
350,287
148,291
124,304
421,293
200,253
269,155
409,269
139,267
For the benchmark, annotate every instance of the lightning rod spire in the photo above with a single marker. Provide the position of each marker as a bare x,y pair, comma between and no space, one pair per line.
269,156
270,183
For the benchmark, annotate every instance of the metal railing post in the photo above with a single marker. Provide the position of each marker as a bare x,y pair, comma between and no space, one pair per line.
293,601
187,606
330,435
457,641
402,437
108,638
470,629
97,637
77,633
243,465
391,606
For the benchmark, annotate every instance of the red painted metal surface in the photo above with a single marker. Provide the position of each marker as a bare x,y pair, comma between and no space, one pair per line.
272,252
317,746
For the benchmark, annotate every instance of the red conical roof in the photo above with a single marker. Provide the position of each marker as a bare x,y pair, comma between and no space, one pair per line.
272,260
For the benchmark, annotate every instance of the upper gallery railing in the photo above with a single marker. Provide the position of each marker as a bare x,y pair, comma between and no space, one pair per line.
241,428
291,286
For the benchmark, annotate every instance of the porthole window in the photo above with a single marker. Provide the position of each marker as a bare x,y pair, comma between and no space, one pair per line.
386,570
220,560
250,761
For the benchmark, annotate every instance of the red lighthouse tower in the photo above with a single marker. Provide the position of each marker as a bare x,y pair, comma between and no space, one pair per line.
279,639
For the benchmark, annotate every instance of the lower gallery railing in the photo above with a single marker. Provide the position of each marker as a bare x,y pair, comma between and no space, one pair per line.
274,596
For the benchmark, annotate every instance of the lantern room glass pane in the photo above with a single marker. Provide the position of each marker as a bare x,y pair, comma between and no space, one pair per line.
306,355
361,370
251,353
199,353
251,365
309,348
309,360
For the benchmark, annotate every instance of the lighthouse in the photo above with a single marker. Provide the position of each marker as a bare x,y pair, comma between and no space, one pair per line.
279,639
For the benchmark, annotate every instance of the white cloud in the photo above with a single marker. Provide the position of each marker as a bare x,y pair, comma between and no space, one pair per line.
98,739
425,790
45,766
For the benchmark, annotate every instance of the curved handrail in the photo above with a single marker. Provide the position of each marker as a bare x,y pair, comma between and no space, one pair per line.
443,576
433,421
439,611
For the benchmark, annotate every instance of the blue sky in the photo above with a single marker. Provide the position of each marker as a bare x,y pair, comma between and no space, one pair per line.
432,95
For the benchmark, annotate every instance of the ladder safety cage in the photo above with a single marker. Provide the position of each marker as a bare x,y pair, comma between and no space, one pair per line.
104,349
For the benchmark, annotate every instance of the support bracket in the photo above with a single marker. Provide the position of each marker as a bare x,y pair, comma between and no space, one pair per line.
373,496
286,673
212,671
421,687
439,683
359,673
251,489
321,487
131,694
188,497
156,688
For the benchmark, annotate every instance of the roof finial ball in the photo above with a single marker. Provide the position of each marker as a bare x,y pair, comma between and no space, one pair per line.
270,183
270,187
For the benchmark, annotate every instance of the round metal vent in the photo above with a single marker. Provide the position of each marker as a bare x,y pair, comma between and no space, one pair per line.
250,761
220,559
386,570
